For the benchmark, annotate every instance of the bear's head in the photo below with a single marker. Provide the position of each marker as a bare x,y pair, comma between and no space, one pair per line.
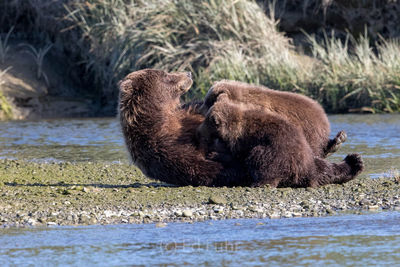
222,124
157,84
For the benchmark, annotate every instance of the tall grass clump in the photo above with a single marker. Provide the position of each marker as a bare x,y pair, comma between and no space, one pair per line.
4,46
215,39
38,57
354,75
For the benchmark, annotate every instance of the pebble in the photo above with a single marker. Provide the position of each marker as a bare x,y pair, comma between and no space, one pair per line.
218,209
217,200
178,213
187,213
274,216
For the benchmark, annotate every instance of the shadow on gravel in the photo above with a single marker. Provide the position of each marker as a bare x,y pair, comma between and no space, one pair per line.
134,185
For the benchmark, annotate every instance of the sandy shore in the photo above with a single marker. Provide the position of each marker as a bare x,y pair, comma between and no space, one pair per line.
45,194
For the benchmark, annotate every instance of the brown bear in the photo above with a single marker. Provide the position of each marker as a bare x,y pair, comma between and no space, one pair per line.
302,112
268,133
160,134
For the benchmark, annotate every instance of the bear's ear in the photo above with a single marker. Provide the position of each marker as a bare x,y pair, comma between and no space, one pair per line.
212,117
222,97
125,85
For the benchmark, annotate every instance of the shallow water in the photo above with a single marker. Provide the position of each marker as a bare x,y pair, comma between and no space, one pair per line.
348,240
63,140
376,137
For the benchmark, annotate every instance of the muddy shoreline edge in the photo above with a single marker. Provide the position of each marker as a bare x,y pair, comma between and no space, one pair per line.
50,194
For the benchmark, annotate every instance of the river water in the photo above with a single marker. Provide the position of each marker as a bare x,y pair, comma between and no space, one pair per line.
349,240
375,137
343,240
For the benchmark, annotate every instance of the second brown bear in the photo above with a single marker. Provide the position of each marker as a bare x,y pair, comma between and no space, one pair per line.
280,137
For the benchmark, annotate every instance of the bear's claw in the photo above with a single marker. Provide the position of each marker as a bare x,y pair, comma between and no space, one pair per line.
335,143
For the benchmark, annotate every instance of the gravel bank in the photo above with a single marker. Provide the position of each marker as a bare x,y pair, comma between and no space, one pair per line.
45,194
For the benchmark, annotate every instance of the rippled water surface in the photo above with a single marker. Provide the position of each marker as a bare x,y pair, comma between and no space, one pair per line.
349,240
63,140
376,137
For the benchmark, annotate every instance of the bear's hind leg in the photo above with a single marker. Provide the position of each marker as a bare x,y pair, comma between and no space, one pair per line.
336,173
335,143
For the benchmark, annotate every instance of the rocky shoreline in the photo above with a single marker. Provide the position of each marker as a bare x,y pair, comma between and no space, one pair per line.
47,194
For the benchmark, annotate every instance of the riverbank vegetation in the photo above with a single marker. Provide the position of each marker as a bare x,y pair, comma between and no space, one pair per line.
103,40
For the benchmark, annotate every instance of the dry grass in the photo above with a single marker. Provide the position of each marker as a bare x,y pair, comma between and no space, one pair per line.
5,108
175,35
351,74
38,57
4,46
215,39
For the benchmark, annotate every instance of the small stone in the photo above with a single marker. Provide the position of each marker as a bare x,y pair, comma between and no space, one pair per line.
178,213
260,223
274,216
239,212
218,209
373,207
187,213
330,211
251,208
77,188
32,222
305,204
84,219
217,200
288,215
365,202
237,224
51,223
108,213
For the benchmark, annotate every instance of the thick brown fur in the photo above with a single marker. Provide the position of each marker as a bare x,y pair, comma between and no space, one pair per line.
160,133
300,111
275,143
